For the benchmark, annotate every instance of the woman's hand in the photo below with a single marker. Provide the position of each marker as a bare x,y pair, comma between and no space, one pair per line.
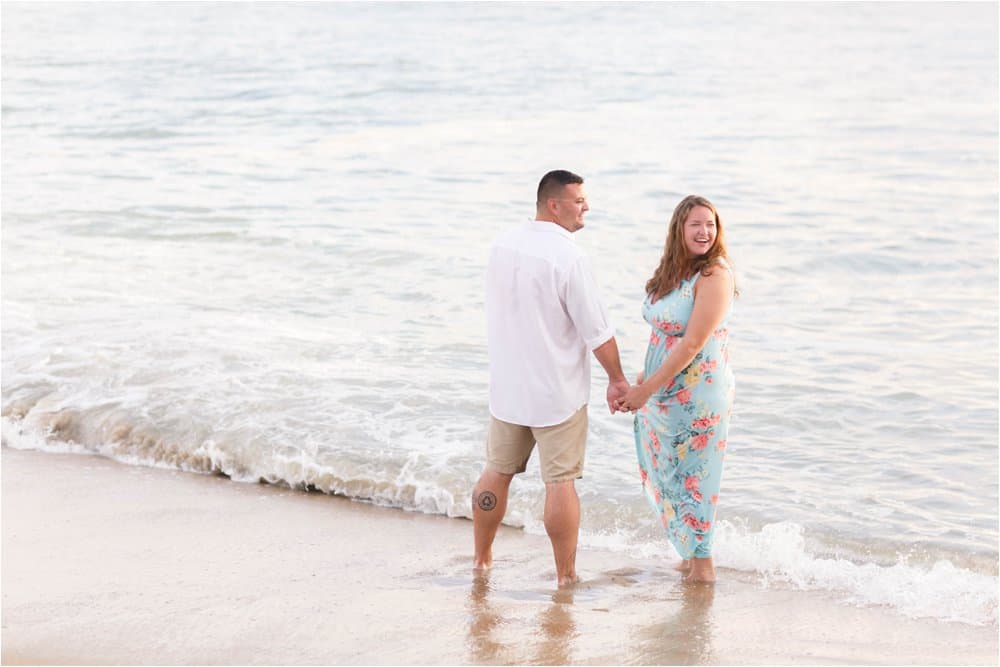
635,398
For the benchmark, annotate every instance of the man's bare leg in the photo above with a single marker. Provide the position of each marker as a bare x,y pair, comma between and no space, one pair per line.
489,503
562,523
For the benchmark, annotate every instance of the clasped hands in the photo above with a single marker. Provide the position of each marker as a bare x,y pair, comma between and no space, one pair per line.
623,397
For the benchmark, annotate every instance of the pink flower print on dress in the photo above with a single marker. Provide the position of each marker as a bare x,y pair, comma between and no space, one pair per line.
656,494
721,444
693,523
705,422
691,411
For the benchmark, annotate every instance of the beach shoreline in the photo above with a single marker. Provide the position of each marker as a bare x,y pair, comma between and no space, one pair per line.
106,563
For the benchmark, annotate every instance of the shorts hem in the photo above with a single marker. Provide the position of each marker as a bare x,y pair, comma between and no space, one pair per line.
505,470
563,478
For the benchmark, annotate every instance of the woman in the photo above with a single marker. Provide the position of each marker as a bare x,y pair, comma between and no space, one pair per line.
684,396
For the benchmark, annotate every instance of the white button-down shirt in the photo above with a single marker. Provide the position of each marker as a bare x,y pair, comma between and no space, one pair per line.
544,318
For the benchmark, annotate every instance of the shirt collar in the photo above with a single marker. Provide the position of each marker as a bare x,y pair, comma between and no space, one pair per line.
548,226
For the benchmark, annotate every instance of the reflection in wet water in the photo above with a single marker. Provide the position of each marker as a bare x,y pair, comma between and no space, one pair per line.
674,621
483,620
685,639
545,639
558,629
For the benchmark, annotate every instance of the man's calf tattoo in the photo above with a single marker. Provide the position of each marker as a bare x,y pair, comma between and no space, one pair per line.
486,500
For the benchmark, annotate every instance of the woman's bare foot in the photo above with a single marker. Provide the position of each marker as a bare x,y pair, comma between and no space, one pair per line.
684,566
702,571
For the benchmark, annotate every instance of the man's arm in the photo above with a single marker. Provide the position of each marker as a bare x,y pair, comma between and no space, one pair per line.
591,321
607,355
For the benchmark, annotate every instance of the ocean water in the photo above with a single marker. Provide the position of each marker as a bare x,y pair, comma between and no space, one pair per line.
249,239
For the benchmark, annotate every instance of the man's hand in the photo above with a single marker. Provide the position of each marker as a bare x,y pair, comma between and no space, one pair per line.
616,391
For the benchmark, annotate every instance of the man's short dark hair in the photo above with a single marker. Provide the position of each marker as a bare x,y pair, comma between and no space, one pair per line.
553,182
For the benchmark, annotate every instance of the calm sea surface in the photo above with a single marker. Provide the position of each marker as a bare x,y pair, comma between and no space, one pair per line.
250,239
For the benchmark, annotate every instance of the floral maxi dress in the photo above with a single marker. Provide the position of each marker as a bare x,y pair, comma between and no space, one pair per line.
680,434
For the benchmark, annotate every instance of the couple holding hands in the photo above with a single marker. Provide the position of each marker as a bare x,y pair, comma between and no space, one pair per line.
545,319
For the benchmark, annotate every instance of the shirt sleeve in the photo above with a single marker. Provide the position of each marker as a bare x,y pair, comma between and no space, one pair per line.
584,305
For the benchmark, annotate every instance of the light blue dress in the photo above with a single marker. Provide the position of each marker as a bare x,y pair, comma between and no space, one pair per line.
680,434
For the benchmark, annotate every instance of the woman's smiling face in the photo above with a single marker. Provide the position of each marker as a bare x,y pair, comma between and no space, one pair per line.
699,231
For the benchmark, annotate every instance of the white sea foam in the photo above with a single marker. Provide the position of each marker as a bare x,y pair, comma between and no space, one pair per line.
942,591
779,552
776,552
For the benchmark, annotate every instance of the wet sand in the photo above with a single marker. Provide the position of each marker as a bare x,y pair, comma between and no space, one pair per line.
105,563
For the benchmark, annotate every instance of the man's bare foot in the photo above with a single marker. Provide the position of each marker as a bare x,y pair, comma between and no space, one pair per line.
481,564
568,580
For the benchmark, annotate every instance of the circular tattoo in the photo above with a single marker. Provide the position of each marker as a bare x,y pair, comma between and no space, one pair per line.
487,500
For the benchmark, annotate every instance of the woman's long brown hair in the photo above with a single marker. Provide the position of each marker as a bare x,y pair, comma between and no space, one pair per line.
677,264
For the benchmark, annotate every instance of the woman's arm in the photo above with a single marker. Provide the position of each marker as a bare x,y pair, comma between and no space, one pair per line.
711,299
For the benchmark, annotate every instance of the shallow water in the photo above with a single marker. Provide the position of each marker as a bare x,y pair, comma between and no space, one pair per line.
250,239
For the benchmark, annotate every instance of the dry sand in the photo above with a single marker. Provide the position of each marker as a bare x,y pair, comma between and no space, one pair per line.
105,563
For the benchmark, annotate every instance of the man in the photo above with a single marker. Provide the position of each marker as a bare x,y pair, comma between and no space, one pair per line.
544,318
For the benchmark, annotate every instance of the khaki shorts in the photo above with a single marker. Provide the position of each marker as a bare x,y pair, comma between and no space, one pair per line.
560,447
